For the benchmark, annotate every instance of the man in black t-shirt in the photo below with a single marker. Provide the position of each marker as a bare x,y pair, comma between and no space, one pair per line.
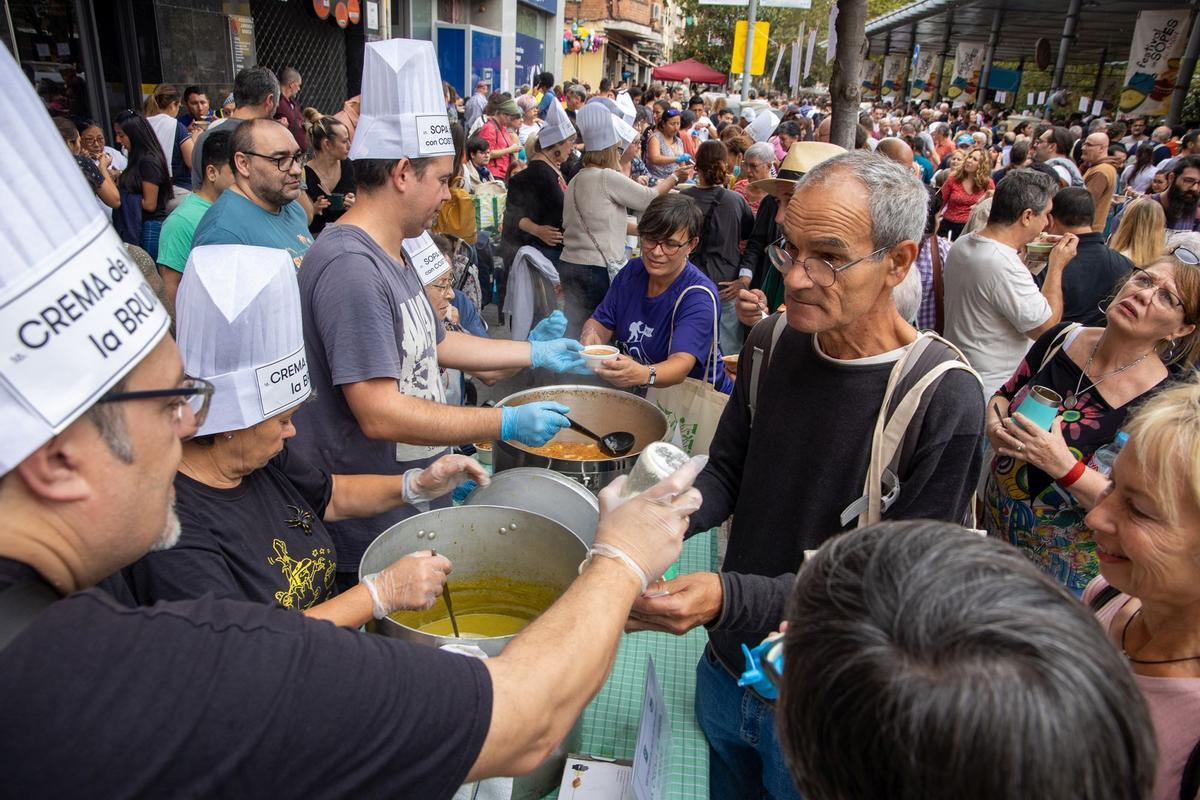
208,697
1089,279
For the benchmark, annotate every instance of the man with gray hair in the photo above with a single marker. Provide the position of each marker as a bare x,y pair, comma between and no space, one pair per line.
792,452
255,96
921,661
994,310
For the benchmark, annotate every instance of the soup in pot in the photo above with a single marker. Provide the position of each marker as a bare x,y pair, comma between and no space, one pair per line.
484,607
571,451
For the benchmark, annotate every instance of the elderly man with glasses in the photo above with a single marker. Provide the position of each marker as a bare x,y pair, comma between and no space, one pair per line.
261,208
791,456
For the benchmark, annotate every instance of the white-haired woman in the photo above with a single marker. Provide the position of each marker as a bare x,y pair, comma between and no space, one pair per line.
1147,596
756,166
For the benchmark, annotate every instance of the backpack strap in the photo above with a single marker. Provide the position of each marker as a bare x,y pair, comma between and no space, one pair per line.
904,403
939,291
761,344
19,606
710,361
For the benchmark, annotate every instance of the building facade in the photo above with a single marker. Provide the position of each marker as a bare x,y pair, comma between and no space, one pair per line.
624,40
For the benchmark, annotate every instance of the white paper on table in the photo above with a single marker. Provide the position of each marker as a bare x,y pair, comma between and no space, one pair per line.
651,755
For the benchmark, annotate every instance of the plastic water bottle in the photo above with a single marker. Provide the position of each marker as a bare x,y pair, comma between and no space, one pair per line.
1102,459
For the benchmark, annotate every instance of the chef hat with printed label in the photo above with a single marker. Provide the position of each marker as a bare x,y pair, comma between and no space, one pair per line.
403,112
558,127
626,133
596,127
238,319
763,126
426,258
75,313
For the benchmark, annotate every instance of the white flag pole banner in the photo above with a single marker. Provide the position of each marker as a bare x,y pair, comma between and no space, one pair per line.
794,72
870,79
889,85
812,45
924,80
964,83
778,61
831,34
1158,42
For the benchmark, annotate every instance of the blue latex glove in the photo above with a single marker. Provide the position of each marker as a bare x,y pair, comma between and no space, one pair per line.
552,327
459,495
559,355
533,424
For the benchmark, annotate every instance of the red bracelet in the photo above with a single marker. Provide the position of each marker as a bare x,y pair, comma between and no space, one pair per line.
1073,474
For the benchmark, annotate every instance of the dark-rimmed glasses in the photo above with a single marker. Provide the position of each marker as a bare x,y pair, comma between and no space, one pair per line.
668,247
192,393
819,271
283,163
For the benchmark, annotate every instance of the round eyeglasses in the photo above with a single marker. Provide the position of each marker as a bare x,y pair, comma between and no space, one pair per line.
819,271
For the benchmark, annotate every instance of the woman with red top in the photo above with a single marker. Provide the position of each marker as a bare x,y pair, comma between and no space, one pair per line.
963,190
502,140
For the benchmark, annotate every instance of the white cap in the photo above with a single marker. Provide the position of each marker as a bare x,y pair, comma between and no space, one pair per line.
628,110
596,127
748,114
238,320
75,313
403,112
763,126
558,127
626,133
426,258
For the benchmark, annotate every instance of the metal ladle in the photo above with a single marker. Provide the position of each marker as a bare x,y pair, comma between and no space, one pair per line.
449,605
614,445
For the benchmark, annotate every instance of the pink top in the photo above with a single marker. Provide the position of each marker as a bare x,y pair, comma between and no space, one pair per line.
497,138
958,202
1174,705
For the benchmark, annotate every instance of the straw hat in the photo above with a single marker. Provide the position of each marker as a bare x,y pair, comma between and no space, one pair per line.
801,158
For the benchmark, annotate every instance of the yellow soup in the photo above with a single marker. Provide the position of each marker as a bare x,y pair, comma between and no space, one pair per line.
484,606
476,626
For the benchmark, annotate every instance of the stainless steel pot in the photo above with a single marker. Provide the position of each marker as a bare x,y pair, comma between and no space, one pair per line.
488,541
596,407
544,492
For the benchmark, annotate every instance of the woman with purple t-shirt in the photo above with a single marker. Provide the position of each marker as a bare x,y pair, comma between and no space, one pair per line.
661,311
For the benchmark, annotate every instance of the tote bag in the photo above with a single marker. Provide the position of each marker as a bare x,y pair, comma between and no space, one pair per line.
490,200
694,407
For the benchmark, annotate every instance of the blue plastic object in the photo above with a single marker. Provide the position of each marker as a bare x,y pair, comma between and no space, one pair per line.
682,158
768,654
1038,409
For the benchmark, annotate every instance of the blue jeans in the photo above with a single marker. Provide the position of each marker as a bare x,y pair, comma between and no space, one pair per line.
584,287
744,759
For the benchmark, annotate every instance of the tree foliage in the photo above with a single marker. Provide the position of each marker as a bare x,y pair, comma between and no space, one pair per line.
709,39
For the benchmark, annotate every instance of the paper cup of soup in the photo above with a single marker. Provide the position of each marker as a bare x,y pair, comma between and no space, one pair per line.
595,354
731,363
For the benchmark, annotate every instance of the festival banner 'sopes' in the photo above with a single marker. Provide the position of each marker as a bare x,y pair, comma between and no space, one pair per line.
870,79
1158,42
893,71
968,62
924,75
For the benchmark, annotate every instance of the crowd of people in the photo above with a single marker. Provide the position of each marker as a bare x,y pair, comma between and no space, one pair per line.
970,322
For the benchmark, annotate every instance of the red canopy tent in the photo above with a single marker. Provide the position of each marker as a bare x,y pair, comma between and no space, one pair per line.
689,69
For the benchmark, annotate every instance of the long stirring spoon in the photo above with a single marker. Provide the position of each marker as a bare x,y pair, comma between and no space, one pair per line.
615,444
449,605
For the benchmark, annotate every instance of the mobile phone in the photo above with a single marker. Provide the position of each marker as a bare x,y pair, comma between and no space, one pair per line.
337,201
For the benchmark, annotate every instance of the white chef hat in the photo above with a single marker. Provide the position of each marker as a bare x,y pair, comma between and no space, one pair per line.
628,110
626,133
426,258
558,127
238,320
748,114
75,313
763,126
403,112
596,127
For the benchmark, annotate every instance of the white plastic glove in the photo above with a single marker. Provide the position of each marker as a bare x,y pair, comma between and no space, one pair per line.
412,583
646,532
442,477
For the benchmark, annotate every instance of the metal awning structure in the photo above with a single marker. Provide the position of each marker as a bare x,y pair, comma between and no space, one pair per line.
1102,25
1079,31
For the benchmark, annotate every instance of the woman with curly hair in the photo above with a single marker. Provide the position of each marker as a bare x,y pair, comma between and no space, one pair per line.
965,187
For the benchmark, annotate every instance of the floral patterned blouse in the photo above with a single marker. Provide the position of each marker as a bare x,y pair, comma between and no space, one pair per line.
1022,504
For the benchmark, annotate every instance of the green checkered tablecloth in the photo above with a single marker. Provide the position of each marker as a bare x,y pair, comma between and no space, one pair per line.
610,721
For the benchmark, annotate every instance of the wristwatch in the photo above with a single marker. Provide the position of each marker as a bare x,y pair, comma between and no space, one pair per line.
653,376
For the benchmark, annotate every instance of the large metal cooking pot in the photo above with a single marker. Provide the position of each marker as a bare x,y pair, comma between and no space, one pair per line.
487,541
596,407
545,492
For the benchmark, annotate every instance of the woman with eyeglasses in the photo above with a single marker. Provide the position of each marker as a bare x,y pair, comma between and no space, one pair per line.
329,175
661,310
252,514
1042,483
94,145
145,185
97,176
